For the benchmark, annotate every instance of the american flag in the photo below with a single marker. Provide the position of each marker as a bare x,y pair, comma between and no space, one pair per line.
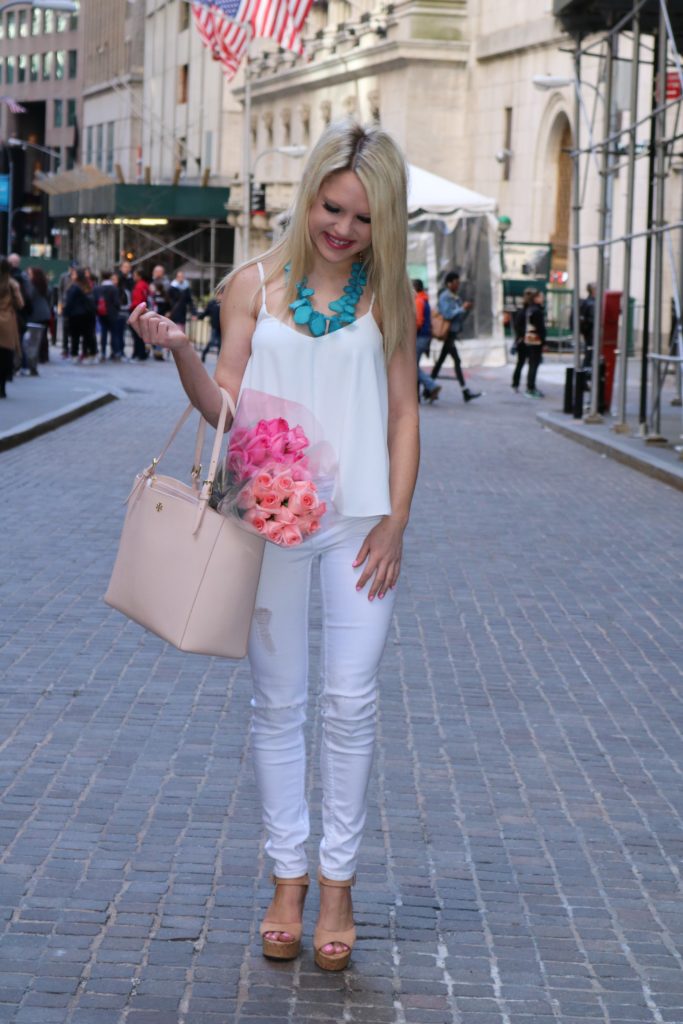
281,20
12,105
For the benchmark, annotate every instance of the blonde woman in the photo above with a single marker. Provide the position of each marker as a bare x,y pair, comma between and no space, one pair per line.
348,231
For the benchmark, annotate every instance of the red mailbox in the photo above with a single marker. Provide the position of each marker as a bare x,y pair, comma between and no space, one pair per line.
610,335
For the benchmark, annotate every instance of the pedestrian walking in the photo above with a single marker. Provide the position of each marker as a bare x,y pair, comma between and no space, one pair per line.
11,305
213,311
530,324
80,311
350,361
65,281
108,306
587,325
41,308
454,310
181,303
519,327
423,318
139,297
121,322
159,299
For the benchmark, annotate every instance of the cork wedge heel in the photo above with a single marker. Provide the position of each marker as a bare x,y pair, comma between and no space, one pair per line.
276,949
323,937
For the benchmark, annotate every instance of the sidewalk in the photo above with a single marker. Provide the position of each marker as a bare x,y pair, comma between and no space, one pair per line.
62,392
663,461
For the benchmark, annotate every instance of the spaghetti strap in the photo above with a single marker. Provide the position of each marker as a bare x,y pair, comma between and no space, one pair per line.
372,302
263,286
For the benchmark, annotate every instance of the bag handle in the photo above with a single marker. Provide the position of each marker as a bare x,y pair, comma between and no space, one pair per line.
226,403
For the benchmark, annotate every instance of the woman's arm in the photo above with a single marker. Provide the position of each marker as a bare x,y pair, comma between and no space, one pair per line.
237,326
382,548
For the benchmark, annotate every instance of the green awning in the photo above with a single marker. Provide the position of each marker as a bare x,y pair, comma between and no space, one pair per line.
176,202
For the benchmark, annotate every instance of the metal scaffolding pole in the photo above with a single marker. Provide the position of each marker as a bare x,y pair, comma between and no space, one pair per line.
576,213
654,426
605,170
621,426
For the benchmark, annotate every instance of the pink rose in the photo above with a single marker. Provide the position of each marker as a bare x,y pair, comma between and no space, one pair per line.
283,515
308,524
273,531
256,519
262,484
270,501
291,535
296,440
269,428
304,500
300,472
283,484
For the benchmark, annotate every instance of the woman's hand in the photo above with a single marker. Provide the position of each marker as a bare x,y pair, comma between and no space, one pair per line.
157,330
381,551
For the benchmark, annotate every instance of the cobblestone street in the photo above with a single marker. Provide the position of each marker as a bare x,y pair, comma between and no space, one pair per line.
522,863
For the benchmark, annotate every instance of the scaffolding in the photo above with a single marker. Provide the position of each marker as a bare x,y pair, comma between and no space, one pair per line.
637,47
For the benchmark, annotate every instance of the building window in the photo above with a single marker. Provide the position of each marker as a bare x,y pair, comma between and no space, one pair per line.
11,25
59,113
36,21
23,24
2,27
109,168
99,146
60,58
49,21
70,157
71,113
88,144
22,64
183,76
62,22
47,67
73,63
9,77
34,68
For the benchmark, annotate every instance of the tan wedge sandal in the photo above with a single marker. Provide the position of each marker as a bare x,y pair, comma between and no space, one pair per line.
323,937
283,950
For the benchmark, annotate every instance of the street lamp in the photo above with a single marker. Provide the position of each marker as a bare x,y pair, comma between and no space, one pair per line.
296,152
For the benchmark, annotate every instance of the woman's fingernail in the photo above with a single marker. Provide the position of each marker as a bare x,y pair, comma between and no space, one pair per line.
372,597
380,596
358,587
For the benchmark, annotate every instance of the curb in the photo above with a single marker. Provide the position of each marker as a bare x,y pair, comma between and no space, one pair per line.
30,429
658,469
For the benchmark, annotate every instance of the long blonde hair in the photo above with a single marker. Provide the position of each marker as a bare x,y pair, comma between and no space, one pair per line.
374,156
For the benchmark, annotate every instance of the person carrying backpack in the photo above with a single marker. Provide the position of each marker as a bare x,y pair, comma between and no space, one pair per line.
423,317
107,307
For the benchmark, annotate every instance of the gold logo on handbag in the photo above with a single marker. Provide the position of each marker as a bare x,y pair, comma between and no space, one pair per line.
159,507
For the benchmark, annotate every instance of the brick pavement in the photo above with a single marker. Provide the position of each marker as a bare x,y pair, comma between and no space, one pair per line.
522,861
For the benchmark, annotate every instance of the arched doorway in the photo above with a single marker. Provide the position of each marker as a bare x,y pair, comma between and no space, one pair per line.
560,145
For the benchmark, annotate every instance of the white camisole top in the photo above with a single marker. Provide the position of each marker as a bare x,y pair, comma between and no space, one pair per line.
341,378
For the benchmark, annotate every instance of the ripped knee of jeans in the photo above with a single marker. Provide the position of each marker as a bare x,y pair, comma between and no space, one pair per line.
347,715
262,617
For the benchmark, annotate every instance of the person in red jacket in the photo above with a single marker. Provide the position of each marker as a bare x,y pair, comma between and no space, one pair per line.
140,293
423,316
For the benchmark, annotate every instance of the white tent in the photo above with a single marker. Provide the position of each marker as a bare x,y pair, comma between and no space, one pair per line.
448,226
430,193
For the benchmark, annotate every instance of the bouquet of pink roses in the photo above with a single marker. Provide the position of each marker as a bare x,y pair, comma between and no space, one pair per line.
268,476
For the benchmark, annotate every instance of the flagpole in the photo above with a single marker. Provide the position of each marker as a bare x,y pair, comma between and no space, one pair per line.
246,155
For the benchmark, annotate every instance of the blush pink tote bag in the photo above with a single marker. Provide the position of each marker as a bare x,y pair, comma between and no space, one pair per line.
184,571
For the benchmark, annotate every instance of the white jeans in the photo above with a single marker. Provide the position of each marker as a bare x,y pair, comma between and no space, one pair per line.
354,635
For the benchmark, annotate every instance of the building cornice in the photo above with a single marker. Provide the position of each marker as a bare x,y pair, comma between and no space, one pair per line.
132,78
541,32
339,68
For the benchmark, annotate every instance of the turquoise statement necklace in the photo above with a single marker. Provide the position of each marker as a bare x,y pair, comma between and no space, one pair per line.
344,307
